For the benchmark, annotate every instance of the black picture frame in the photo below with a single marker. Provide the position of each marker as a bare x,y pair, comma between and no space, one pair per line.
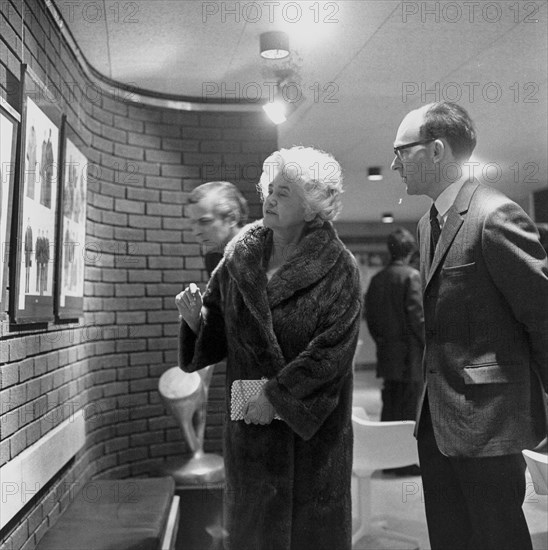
36,204
71,235
9,127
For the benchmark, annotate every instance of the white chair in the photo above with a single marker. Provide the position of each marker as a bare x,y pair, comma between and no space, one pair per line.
379,445
537,463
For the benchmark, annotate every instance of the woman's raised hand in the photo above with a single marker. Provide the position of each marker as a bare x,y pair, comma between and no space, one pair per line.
189,304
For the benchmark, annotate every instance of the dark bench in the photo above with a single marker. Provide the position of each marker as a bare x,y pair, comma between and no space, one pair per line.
118,514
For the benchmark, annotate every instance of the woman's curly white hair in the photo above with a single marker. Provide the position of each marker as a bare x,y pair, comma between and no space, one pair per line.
318,174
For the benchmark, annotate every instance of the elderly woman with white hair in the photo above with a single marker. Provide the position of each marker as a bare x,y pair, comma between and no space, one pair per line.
284,307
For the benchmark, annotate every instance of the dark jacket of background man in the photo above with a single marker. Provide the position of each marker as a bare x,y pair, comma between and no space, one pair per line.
393,311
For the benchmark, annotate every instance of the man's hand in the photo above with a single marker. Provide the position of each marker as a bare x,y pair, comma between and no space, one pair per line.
259,410
189,304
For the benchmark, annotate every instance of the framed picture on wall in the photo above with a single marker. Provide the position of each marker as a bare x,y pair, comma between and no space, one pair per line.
9,123
37,186
69,303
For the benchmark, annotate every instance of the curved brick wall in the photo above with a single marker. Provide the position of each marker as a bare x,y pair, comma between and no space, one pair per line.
139,252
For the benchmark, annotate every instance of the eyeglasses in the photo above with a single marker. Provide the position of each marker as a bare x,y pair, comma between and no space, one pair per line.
407,145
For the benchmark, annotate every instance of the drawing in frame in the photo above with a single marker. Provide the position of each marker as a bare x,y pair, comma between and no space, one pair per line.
71,237
34,254
9,124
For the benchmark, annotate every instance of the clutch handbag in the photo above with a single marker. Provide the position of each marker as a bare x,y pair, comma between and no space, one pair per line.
240,393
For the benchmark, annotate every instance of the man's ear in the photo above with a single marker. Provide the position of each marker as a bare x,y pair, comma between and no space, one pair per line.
441,148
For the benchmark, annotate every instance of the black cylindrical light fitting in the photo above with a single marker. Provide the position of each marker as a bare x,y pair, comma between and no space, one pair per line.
274,45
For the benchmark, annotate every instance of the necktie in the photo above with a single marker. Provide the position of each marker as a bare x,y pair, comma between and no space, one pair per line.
435,230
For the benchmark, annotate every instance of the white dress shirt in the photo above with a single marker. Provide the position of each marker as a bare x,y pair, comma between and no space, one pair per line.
446,199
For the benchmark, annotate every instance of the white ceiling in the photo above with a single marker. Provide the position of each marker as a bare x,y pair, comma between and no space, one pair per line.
355,59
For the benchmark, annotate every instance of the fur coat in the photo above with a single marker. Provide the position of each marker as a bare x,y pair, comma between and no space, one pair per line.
288,483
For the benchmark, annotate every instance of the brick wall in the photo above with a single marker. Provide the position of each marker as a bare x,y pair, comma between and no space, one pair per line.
139,253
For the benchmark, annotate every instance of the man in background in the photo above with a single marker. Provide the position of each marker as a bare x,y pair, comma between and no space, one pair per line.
393,311
217,212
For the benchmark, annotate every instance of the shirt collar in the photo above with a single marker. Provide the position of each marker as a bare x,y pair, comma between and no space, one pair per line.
447,198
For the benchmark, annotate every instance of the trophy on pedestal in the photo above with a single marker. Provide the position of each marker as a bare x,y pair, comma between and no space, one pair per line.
185,394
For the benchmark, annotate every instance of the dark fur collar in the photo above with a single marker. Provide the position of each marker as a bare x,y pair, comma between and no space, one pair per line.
314,256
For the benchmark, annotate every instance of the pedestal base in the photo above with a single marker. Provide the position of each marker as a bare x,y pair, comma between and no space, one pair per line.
196,471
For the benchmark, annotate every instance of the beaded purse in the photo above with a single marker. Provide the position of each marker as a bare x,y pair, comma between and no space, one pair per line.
240,393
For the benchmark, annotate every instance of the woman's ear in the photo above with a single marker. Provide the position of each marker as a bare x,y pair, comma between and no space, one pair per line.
232,219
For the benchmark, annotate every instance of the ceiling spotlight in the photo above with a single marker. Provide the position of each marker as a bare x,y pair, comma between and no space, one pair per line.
387,217
276,108
274,45
276,111
374,173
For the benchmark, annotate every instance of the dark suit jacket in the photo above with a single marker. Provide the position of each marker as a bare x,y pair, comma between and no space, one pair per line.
211,260
486,323
393,311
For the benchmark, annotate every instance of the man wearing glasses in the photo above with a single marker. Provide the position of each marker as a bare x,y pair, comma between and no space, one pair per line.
485,292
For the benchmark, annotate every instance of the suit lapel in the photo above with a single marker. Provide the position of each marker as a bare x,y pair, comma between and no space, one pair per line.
451,227
424,239
448,234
